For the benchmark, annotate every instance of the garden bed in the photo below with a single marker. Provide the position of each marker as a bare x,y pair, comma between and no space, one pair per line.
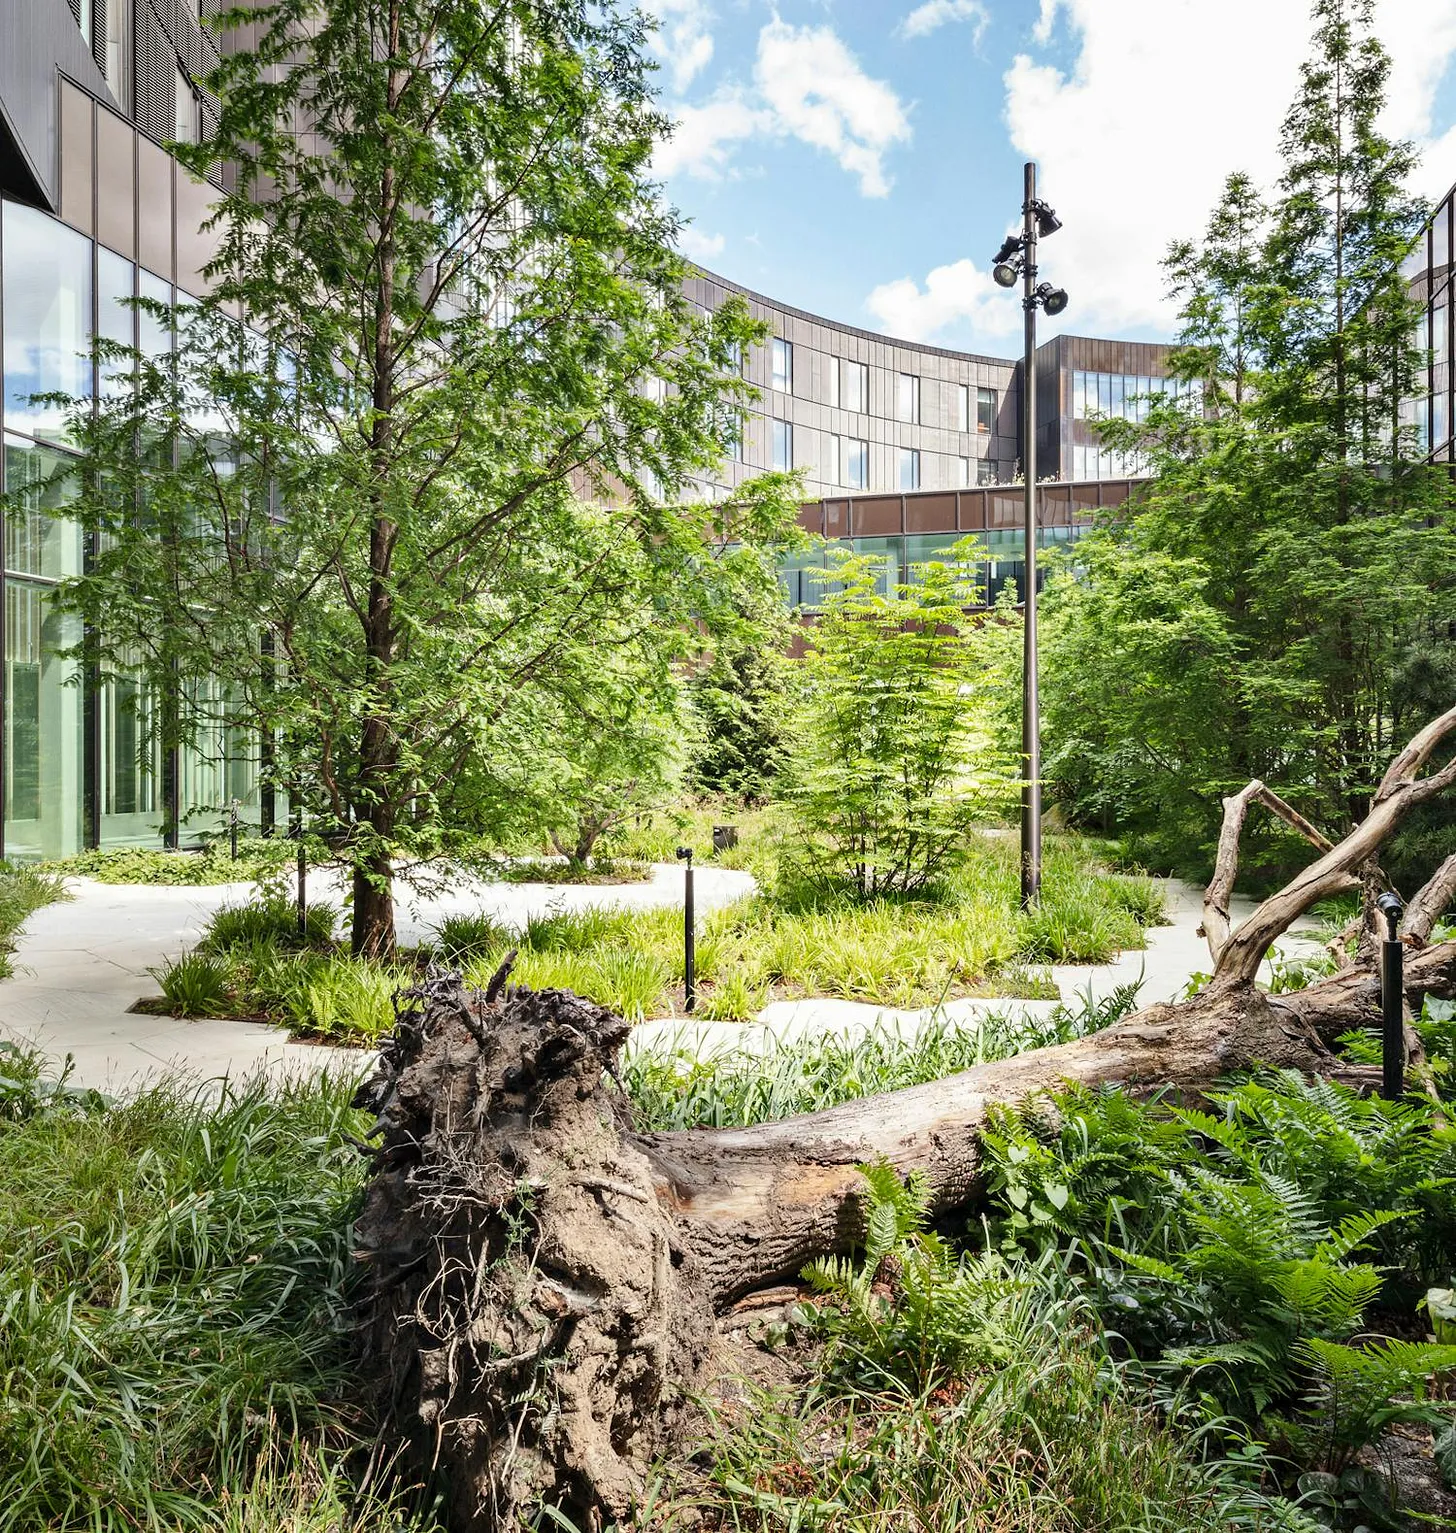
972,941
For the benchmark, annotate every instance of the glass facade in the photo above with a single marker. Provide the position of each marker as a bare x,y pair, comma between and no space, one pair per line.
1431,414
81,752
1115,396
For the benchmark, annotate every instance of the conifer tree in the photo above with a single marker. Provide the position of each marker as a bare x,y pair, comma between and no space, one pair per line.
1253,615
453,444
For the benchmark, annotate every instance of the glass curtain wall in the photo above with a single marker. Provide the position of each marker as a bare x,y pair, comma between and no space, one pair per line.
83,756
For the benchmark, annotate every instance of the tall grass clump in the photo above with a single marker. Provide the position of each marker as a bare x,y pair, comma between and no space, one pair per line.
673,1088
174,1290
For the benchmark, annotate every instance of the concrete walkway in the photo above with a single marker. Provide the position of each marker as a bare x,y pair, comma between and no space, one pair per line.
80,966
1161,971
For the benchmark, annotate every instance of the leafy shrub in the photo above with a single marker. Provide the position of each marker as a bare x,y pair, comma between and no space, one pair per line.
272,919
212,864
594,870
197,984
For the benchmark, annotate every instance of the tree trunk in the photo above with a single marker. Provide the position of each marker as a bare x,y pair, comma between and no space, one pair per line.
373,899
543,1280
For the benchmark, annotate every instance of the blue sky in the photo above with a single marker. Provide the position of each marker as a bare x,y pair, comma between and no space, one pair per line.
862,158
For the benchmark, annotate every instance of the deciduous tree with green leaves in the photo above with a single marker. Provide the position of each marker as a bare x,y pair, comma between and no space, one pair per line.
1255,612
434,431
894,755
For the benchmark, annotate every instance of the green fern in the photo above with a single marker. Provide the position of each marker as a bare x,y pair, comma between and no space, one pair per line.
1360,1393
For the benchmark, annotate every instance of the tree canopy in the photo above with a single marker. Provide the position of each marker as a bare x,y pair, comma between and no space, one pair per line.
1267,606
436,433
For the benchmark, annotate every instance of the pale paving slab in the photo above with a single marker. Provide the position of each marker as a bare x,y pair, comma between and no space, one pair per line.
81,965
1162,971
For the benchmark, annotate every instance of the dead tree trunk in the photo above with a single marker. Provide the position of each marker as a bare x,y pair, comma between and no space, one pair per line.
544,1280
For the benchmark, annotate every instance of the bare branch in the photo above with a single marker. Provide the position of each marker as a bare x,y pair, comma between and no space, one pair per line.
1216,919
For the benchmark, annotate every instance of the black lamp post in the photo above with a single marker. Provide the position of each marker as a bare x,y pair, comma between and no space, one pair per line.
1017,257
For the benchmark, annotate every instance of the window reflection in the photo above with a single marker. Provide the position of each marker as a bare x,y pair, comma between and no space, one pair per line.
39,540
47,308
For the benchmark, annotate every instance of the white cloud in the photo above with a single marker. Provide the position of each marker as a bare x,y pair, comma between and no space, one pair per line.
958,294
683,42
704,137
806,85
1165,98
697,246
818,93
924,19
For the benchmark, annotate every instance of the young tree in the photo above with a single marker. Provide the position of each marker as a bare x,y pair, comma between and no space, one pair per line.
893,757
1250,614
372,510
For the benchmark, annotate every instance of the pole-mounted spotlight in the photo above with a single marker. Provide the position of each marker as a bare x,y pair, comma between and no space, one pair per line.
1017,258
1006,266
1053,299
1047,221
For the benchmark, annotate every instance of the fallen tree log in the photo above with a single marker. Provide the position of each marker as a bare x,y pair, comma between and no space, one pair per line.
543,1281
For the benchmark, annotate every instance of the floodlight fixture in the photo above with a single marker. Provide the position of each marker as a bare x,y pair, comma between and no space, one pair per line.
1047,221
1004,274
1053,299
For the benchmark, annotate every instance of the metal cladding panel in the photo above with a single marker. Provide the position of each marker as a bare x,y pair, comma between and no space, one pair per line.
877,516
930,513
39,42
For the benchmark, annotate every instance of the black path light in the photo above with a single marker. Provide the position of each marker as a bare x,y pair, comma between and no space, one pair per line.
1392,999
690,992
1017,258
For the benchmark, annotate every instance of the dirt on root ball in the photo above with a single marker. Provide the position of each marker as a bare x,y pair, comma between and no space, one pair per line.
530,1318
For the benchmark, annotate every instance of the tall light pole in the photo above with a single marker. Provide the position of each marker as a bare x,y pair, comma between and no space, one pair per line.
1017,256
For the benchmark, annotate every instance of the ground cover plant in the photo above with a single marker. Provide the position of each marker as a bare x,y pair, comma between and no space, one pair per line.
212,863
1172,1320
972,940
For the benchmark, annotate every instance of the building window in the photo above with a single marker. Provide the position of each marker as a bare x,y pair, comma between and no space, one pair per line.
834,382
783,446
963,407
985,471
1440,419
835,457
1439,348
857,464
857,387
963,473
118,32
783,366
985,410
47,308
907,397
909,468
188,127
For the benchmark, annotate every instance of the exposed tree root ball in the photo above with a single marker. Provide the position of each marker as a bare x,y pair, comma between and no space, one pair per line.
530,1313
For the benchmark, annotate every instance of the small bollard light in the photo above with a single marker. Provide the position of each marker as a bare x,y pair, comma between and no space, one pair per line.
1392,998
690,990
302,874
